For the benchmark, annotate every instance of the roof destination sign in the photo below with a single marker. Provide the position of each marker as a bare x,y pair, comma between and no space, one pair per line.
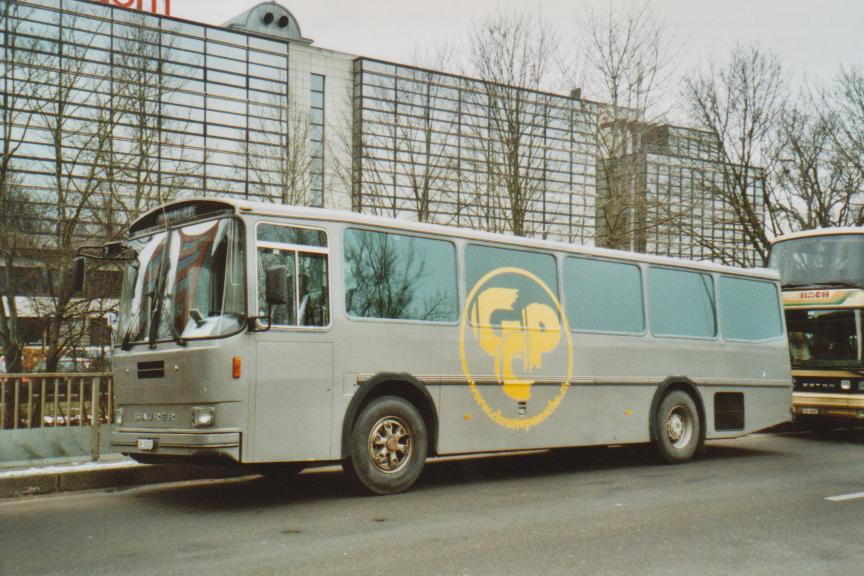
155,6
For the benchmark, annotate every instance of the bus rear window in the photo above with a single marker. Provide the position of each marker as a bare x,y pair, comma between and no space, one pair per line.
749,310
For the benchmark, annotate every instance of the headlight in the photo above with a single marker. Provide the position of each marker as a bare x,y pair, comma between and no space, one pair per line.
118,416
203,417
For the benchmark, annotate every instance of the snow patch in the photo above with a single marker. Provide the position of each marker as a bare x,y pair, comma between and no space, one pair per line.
67,468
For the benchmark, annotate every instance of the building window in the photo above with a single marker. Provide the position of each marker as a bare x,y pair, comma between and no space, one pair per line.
316,141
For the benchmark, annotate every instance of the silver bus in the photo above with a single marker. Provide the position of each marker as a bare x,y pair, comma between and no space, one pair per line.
262,333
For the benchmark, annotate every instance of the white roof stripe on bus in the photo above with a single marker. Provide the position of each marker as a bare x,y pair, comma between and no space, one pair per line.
322,214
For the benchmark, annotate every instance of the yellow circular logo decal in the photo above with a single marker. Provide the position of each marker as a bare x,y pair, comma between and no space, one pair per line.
514,324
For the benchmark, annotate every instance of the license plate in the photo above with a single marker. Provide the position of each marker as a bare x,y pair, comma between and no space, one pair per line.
146,443
807,411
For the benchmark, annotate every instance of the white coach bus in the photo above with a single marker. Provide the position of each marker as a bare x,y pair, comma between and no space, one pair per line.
262,333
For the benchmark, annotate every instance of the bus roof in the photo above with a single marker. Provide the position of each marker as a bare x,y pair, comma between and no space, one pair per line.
819,232
321,214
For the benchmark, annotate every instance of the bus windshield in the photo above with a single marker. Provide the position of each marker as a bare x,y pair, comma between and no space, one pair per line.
834,260
184,283
825,339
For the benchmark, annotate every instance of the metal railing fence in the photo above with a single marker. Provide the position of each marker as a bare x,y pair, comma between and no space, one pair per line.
29,401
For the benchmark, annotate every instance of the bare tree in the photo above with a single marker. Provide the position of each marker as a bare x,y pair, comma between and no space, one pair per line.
848,103
364,163
514,55
22,74
113,153
427,119
817,179
630,56
401,162
740,104
151,157
427,116
279,160
79,125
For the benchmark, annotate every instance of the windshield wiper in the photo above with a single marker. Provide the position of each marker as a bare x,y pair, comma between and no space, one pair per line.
126,345
162,297
161,283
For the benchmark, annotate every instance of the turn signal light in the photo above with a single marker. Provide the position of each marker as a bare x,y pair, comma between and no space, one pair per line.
235,367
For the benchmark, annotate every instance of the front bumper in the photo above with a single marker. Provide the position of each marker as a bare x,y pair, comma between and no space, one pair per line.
173,443
846,406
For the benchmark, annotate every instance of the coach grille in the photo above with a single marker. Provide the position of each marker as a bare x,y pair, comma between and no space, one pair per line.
150,370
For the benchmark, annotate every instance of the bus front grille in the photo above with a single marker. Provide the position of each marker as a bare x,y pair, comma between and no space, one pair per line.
150,370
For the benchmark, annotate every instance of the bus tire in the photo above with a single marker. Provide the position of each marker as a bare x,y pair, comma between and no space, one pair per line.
677,429
388,446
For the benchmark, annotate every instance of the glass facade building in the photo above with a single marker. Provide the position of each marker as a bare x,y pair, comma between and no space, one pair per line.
437,147
133,108
109,111
673,203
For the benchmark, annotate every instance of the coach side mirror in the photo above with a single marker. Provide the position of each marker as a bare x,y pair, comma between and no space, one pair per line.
79,272
276,290
114,250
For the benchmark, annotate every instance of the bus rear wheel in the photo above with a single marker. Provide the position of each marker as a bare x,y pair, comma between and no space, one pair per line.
677,429
388,446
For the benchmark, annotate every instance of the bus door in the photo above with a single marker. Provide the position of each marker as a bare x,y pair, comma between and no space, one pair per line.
294,359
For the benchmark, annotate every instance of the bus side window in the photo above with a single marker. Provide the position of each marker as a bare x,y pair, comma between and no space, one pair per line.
283,314
400,277
681,303
604,296
750,310
313,290
304,253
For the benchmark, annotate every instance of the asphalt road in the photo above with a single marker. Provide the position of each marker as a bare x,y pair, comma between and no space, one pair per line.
755,505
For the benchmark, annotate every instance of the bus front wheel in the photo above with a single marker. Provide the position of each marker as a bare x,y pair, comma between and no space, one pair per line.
388,446
677,430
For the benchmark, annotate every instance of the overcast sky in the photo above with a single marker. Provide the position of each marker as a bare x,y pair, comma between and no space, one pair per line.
812,37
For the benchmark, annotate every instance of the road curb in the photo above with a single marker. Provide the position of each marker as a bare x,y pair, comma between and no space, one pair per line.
116,477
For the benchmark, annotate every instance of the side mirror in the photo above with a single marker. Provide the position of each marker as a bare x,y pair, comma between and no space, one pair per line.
114,250
79,272
276,291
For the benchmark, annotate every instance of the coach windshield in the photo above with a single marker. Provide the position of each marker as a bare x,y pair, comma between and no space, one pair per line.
185,283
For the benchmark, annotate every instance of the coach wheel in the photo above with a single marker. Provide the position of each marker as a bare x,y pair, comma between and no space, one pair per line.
677,430
388,446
